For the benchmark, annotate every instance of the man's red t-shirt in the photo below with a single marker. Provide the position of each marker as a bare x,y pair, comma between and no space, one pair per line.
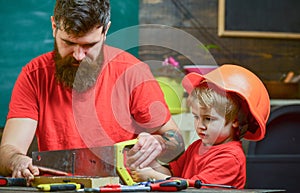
220,164
125,101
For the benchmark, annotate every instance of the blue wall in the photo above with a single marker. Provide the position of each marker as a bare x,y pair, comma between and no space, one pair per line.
25,33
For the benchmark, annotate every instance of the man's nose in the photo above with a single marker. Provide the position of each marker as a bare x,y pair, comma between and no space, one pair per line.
79,53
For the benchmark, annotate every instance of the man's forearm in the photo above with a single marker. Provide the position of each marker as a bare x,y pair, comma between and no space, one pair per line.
174,146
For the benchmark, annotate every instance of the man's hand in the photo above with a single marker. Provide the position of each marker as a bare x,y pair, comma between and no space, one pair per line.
15,164
145,150
21,167
166,144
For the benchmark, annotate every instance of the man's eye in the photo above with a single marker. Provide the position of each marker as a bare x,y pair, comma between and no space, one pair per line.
89,45
69,43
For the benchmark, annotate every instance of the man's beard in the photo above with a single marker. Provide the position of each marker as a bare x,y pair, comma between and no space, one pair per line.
79,78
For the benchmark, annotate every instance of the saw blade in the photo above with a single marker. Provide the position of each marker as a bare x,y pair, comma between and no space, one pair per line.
95,162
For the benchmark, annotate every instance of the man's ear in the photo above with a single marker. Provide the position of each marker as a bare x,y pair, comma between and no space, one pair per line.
107,27
54,26
106,30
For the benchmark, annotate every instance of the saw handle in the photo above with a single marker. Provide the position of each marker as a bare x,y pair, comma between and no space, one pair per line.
121,169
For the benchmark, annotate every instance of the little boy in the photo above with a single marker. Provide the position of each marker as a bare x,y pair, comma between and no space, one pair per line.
228,104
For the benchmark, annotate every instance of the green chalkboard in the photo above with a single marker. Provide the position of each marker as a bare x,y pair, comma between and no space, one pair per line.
25,33
259,18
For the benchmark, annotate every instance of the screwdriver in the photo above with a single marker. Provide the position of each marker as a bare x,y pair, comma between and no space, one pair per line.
170,185
118,188
8,181
198,184
162,186
59,186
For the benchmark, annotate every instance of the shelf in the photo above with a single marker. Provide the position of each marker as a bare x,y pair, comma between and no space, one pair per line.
277,102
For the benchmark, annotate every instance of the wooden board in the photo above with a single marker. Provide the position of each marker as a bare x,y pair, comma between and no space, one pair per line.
88,182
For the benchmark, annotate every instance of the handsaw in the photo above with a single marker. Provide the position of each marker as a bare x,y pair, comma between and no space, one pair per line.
105,161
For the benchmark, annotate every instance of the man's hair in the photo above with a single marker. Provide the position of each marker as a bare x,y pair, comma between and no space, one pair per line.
77,17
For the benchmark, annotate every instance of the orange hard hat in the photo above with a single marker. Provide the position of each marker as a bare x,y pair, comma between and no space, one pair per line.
239,80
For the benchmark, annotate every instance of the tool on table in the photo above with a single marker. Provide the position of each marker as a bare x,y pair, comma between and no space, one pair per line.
105,161
289,77
198,184
171,185
59,186
117,188
159,186
8,181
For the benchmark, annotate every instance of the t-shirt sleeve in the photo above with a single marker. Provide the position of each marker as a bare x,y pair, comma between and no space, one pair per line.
23,102
148,106
177,166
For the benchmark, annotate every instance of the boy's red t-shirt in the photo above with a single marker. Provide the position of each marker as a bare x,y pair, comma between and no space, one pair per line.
125,101
220,164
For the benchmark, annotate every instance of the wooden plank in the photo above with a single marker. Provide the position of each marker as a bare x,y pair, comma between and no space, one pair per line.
88,182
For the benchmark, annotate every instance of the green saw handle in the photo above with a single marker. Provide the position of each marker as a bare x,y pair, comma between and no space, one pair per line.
121,169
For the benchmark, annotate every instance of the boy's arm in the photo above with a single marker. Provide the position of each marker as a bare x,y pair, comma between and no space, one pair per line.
156,166
155,171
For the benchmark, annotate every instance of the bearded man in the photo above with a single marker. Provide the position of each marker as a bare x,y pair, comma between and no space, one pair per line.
85,94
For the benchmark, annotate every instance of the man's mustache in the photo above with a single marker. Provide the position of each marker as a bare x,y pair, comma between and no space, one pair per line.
69,61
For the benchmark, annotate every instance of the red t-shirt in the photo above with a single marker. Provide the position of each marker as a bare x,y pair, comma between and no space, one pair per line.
125,101
221,164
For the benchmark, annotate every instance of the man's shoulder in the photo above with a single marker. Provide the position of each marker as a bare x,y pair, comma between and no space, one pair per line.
45,60
113,54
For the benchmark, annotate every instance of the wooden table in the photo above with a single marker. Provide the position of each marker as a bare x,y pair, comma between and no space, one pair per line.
190,190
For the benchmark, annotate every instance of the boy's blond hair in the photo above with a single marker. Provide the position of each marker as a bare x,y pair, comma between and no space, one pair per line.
208,95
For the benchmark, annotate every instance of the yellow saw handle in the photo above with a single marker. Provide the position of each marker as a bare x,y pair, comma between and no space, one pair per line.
121,169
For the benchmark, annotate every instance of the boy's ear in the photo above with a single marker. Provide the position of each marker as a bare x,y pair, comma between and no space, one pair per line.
235,123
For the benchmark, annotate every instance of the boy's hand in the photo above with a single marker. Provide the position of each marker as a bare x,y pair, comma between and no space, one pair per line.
142,175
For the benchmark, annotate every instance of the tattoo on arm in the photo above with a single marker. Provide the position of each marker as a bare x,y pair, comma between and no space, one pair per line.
174,146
